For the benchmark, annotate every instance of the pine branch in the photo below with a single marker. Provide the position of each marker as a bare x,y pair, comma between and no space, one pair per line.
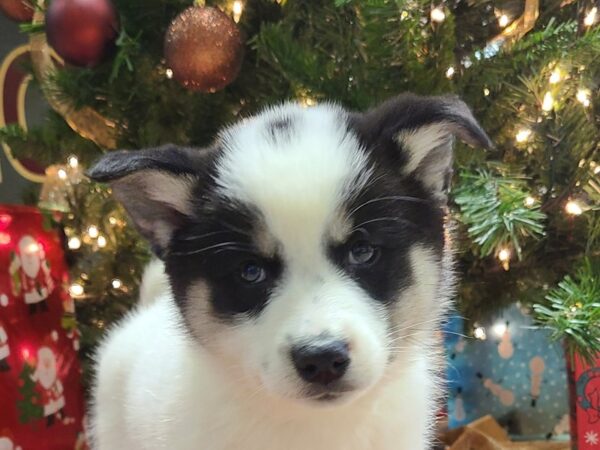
494,209
572,311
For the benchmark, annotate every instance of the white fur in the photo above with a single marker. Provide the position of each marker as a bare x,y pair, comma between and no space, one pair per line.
233,386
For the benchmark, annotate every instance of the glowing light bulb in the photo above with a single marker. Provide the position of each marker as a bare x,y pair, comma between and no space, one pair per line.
573,208
548,102
503,20
403,15
529,201
499,329
116,283
504,254
112,220
590,17
437,14
74,243
479,333
583,96
450,72
169,73
93,231
73,161
237,9
62,174
486,91
555,76
523,135
76,290
597,170
101,241
5,238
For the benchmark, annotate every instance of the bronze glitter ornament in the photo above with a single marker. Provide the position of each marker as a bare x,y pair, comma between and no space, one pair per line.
204,49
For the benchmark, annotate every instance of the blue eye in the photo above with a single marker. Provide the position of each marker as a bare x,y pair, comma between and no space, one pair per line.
252,272
362,252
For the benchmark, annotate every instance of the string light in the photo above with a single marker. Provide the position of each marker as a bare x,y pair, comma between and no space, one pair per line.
504,254
529,201
403,15
74,243
555,76
597,170
32,248
116,283
499,329
237,8
73,161
583,96
307,102
548,102
93,231
112,220
523,135
169,73
62,174
76,290
503,20
573,208
101,241
486,91
590,18
437,14
504,257
450,72
479,333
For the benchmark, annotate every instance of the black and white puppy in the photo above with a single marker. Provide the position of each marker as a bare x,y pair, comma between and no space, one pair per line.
308,271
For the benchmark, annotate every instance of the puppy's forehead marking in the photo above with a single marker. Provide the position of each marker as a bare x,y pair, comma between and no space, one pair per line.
297,185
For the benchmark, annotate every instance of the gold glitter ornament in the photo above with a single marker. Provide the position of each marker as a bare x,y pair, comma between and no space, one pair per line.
204,49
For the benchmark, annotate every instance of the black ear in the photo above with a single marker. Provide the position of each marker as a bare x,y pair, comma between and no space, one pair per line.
155,186
416,134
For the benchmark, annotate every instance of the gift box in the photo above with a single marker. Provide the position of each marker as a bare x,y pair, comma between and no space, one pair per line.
510,370
584,390
40,390
486,434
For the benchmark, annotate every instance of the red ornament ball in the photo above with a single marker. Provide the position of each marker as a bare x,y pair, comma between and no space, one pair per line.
17,10
82,32
204,49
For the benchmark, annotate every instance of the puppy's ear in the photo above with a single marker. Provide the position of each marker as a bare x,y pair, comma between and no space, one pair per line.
416,135
155,186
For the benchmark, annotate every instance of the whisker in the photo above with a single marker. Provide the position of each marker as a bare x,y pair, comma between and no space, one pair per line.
390,198
202,236
384,219
231,245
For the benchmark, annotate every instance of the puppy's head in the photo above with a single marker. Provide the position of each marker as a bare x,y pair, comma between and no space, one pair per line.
305,249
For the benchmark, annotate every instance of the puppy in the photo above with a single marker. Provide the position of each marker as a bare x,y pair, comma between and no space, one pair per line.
308,271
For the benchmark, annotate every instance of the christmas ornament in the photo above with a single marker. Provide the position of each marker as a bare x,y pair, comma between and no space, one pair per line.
17,10
82,32
204,49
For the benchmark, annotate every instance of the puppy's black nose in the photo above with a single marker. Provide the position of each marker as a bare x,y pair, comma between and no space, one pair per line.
322,363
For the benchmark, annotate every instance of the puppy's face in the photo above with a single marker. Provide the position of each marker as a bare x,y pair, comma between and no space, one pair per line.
305,249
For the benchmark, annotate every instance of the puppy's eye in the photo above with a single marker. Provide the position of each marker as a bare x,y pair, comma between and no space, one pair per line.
252,272
361,253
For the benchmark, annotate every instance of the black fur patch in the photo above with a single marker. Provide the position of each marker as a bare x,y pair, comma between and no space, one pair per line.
280,129
393,214
213,249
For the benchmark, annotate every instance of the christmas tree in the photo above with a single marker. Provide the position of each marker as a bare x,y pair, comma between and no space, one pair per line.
528,226
30,407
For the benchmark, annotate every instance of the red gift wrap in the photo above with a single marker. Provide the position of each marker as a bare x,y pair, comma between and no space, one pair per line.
41,398
584,393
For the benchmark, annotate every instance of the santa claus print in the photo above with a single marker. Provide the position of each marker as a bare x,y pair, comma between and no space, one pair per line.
69,322
4,350
50,386
30,274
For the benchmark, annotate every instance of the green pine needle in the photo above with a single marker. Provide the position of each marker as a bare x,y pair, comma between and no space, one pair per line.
572,311
494,210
